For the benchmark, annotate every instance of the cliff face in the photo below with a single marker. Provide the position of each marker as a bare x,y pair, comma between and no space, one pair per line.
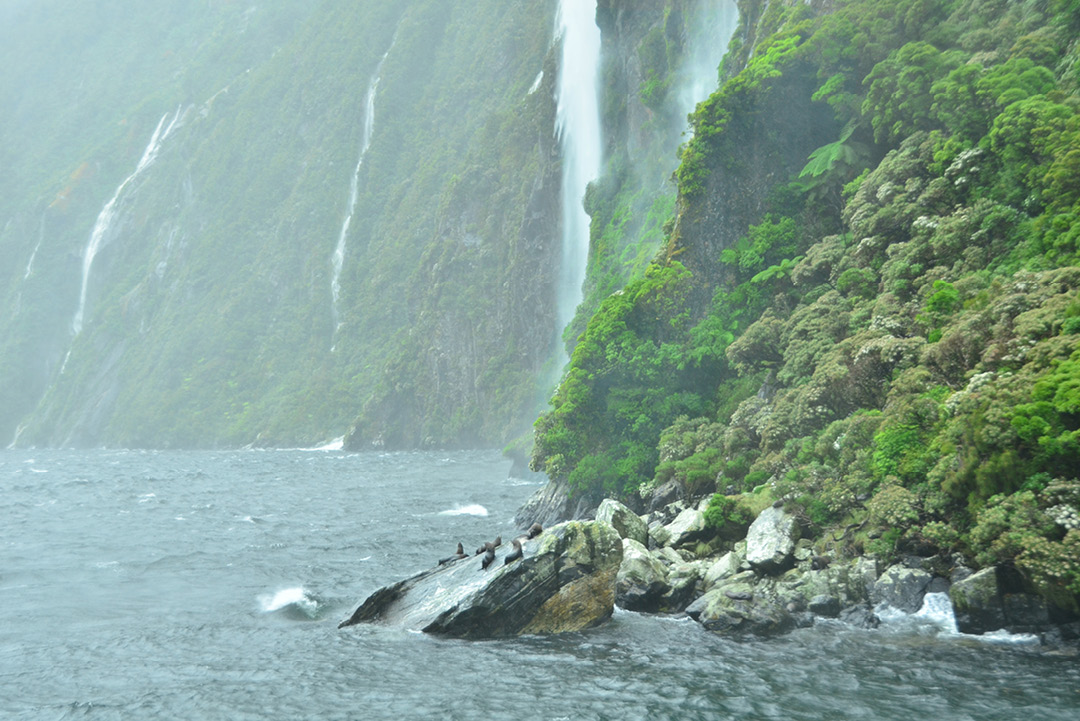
216,310
864,305
348,220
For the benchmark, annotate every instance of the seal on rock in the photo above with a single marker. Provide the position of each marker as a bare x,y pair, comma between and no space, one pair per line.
490,545
489,558
456,557
515,554
535,530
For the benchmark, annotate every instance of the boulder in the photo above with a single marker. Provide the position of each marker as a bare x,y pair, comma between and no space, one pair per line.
684,580
902,588
976,602
564,582
770,542
726,567
554,503
824,605
734,608
663,495
688,527
625,521
642,580
659,535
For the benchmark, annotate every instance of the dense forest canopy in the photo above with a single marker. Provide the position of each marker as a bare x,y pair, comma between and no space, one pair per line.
867,303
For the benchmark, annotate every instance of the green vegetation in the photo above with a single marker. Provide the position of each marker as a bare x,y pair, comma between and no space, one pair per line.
890,339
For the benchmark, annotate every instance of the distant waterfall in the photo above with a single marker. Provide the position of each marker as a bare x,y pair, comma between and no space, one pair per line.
105,218
338,259
577,125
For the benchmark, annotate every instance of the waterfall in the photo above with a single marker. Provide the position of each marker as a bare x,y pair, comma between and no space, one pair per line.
714,25
577,126
105,217
338,258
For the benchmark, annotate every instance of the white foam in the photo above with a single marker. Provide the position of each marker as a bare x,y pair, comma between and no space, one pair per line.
335,445
472,510
937,610
295,597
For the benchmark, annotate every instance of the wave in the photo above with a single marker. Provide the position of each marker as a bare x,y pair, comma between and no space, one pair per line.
474,509
294,602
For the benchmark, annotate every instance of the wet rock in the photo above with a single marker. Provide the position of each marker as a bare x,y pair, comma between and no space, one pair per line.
733,608
726,567
688,527
642,580
770,542
625,521
977,602
565,582
659,535
861,616
902,588
684,580
823,605
552,504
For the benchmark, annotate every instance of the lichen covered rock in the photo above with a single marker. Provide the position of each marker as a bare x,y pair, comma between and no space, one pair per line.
624,520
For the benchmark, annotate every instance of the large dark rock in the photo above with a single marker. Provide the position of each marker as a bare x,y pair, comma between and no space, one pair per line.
902,588
977,603
564,582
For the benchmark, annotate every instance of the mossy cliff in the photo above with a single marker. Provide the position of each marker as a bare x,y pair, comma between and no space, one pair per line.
867,302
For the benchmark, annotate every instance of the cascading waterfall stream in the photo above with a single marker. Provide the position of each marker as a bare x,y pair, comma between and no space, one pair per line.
577,126
338,258
105,218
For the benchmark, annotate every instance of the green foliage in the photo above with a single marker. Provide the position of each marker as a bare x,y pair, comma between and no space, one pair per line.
730,516
898,99
911,359
773,240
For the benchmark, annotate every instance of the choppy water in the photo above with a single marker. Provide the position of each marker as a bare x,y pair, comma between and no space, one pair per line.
137,585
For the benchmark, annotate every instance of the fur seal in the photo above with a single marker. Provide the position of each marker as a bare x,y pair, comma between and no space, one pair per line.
490,545
515,554
456,557
535,530
819,563
489,558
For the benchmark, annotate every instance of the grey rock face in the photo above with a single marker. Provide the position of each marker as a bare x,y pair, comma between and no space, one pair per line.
977,602
624,520
733,608
642,580
770,542
902,588
564,582
688,527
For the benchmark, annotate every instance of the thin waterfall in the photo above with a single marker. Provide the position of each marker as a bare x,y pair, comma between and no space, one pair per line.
338,259
577,126
713,26
105,217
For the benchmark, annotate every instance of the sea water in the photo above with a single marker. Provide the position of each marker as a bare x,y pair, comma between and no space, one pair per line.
209,585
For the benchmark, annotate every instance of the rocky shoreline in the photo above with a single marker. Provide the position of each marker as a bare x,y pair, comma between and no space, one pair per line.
571,576
771,581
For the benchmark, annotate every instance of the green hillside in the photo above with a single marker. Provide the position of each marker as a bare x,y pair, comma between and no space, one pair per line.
867,304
